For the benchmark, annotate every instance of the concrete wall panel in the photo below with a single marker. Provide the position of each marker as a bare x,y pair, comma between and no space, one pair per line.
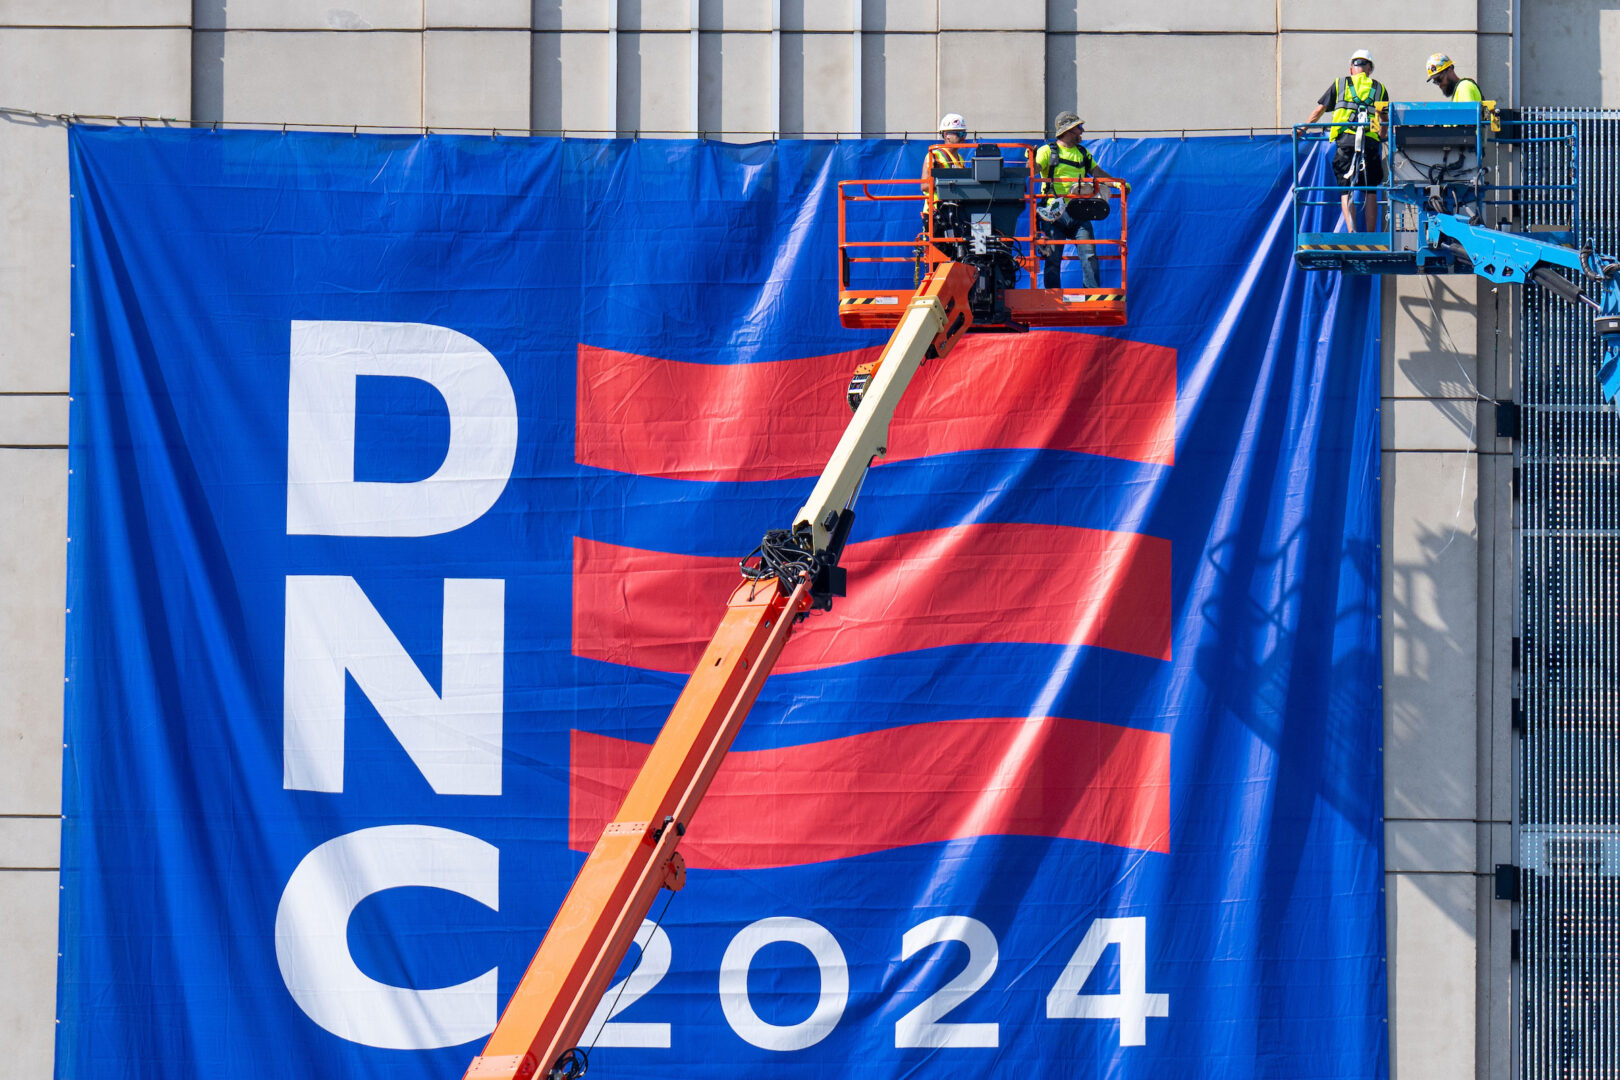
28,972
569,89
1311,61
1003,15
321,78
309,15
1430,633
1435,327
1432,983
1434,16
1495,71
820,15
900,16
478,14
897,85
572,14
756,14
30,843
33,420
1164,16
34,274
1568,53
33,565
1009,103
1102,75
734,88
658,14
130,72
1448,847
476,78
816,77
95,13
654,82
1427,424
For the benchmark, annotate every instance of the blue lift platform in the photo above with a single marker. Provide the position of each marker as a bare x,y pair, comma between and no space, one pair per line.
1441,213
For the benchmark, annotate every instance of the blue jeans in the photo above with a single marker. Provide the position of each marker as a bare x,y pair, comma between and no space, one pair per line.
1068,227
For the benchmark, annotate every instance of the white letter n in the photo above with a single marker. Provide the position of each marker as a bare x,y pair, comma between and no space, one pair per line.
454,737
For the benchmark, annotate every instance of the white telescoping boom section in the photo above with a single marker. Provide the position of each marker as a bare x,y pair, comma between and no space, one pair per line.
934,320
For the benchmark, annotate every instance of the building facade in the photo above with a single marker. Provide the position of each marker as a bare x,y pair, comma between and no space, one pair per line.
756,69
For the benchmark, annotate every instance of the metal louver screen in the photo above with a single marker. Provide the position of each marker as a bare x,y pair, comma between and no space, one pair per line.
1570,678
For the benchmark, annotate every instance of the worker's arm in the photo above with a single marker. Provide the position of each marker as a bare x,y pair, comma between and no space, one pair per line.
1316,114
1103,174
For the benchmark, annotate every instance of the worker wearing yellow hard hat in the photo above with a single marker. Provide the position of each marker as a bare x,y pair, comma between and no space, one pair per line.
1443,73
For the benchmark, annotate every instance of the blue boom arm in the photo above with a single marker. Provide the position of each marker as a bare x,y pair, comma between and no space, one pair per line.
1517,258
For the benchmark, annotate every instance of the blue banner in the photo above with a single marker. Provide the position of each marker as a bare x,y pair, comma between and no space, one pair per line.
409,476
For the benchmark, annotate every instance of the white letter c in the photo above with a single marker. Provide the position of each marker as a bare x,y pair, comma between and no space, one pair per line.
312,947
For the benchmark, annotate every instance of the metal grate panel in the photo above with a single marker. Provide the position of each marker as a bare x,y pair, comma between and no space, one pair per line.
1570,610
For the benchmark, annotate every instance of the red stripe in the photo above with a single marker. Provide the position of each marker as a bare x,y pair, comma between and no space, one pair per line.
919,784
968,584
779,419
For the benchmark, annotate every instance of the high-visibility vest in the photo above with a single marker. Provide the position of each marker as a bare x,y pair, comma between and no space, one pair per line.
1352,93
1466,90
945,157
1072,163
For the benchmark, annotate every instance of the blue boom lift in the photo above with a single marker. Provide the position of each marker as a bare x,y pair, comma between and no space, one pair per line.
1437,199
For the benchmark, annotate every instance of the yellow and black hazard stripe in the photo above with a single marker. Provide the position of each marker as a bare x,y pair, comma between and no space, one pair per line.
1344,247
1091,298
852,300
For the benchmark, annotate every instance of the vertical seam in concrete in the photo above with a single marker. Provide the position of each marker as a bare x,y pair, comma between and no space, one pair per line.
695,30
421,73
1276,56
857,67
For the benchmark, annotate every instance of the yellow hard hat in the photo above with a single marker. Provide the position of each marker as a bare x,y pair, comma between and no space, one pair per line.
1438,63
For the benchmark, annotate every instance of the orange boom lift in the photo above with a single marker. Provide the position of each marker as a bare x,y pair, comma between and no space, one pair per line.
970,258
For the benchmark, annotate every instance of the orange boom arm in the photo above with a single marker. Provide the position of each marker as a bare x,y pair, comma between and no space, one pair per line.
636,854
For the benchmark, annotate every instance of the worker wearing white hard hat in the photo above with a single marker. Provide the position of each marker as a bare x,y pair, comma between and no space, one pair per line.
944,155
952,130
1358,102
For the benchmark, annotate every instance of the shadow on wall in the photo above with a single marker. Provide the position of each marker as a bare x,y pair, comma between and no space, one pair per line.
208,63
546,86
1438,369
1563,52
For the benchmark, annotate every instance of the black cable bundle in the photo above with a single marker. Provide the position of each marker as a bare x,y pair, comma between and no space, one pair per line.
780,556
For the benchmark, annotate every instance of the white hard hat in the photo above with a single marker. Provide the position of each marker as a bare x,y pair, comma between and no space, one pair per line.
952,122
1362,54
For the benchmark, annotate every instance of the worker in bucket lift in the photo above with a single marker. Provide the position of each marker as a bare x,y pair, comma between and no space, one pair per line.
1063,164
940,221
1443,73
1358,102
952,130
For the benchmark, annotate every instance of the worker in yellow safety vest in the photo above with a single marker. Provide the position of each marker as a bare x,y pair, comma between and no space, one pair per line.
1358,102
952,130
1443,73
1063,163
